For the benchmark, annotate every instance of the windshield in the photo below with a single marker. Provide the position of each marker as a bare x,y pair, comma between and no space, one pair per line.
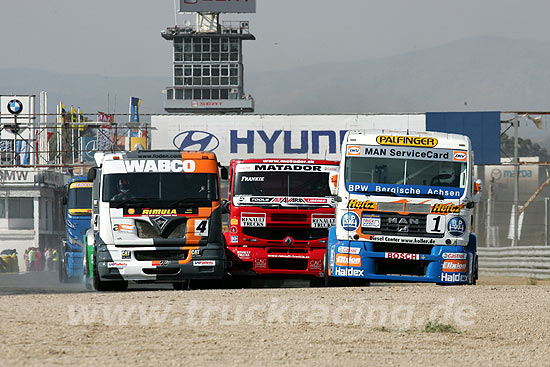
282,183
165,187
80,198
406,176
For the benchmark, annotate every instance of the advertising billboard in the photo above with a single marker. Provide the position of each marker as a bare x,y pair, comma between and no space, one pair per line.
217,6
270,136
20,106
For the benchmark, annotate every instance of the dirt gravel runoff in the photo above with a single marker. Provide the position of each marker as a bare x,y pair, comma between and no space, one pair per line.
378,325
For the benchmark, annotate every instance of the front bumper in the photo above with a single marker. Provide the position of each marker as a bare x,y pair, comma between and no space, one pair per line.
266,261
442,265
114,265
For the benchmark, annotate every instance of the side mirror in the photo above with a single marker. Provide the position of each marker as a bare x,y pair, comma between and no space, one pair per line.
333,183
478,189
64,200
226,206
223,173
92,174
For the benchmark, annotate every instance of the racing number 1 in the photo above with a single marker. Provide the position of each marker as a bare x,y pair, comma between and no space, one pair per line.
201,227
435,224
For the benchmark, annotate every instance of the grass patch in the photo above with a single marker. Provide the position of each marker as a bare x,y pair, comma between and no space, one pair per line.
437,327
532,281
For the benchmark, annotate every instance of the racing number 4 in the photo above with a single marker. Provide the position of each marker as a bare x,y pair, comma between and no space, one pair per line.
201,227
435,223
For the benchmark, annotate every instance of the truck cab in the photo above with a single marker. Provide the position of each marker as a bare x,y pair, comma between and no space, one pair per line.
78,214
279,214
405,208
156,218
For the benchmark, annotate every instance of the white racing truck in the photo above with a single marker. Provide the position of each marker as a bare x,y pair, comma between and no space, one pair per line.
405,209
155,218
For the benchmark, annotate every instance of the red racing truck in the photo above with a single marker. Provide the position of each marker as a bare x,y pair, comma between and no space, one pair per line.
280,211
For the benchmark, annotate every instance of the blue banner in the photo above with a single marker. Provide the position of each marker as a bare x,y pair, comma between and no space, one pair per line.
134,109
404,190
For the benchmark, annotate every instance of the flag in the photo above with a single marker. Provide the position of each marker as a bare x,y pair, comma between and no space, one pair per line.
134,109
63,113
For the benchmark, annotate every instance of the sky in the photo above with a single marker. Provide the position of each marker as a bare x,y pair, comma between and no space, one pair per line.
122,37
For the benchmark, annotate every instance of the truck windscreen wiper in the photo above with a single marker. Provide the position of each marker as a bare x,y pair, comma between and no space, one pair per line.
120,203
437,196
381,193
186,202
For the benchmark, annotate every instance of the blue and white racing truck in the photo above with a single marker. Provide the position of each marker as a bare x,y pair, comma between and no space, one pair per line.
405,209
78,216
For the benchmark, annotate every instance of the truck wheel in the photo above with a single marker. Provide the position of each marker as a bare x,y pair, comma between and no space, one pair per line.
181,286
356,282
206,283
102,286
317,282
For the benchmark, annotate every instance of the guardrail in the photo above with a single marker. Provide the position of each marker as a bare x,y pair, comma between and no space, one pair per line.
521,261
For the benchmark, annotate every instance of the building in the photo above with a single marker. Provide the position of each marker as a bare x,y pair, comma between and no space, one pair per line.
208,71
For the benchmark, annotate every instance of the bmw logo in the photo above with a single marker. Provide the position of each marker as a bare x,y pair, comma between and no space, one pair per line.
350,221
196,140
456,226
15,106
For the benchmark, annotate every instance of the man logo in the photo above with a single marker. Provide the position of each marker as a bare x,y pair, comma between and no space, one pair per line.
196,140
15,107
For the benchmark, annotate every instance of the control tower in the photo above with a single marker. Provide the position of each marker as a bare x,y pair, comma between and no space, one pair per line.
208,72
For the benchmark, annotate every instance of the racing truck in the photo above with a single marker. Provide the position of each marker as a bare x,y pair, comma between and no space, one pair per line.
78,214
279,214
404,209
156,217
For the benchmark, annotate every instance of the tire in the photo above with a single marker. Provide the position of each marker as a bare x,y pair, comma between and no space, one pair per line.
332,281
102,286
205,284
181,286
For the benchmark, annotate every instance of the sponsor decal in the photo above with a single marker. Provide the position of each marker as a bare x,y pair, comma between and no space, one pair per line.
425,154
126,254
348,260
349,272
204,263
407,240
151,212
260,263
401,256
196,253
234,221
315,264
445,208
15,107
460,156
116,265
287,167
288,256
259,199
456,226
354,150
253,219
161,165
252,179
81,185
409,141
243,254
318,221
455,266
371,220
123,228
348,250
404,190
234,229
454,255
453,277
234,239
160,263
359,204
350,221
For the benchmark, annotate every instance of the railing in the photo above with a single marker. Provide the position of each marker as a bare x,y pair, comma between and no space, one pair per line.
521,261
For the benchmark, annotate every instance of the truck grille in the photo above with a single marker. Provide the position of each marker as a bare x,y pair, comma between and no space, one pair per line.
412,225
279,234
401,247
287,264
401,267
176,230
288,217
